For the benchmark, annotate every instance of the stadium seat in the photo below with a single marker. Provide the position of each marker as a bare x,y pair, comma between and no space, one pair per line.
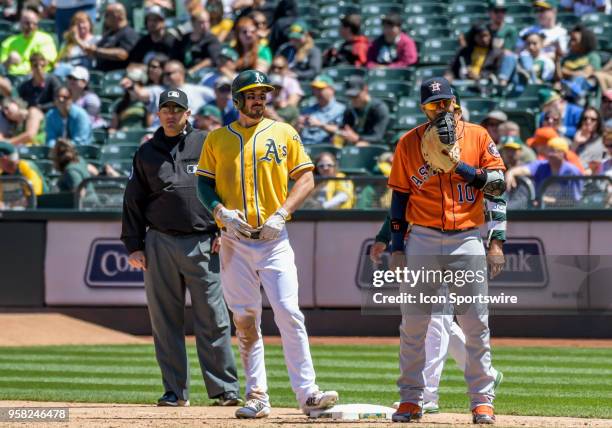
430,21
390,89
360,160
568,20
468,8
592,19
441,44
330,22
7,26
46,167
526,121
408,121
521,21
399,3
99,136
315,150
341,73
379,9
102,193
520,103
113,77
466,20
118,152
390,74
123,167
479,106
518,9
338,9
435,58
424,31
88,151
408,103
47,25
425,9
128,136
34,152
307,9
372,32
112,91
429,71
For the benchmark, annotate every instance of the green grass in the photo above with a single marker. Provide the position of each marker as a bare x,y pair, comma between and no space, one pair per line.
538,381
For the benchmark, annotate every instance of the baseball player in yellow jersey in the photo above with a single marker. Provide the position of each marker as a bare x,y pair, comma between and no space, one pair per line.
243,180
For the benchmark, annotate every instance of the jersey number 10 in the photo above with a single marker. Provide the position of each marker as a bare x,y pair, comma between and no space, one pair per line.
466,193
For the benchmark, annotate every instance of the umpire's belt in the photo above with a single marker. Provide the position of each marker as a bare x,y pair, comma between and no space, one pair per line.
450,231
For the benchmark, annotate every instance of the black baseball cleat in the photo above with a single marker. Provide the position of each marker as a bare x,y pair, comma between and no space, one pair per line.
228,399
169,399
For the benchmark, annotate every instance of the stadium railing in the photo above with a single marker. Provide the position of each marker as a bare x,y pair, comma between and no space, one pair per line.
16,193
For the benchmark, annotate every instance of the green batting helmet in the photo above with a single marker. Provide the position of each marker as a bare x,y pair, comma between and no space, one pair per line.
248,79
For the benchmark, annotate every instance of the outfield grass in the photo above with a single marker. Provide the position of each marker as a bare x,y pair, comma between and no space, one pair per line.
538,381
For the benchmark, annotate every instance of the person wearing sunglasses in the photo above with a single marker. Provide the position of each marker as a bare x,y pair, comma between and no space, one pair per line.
174,241
559,113
444,211
556,37
331,194
588,139
606,166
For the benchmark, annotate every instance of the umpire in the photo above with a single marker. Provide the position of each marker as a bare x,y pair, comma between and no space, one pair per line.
170,235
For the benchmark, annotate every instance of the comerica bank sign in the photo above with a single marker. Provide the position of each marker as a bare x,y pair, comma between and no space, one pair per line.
107,266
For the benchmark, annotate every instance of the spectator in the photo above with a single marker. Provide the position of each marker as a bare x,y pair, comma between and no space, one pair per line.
606,167
353,50
511,129
582,60
208,118
278,109
130,111
226,67
113,50
40,89
538,67
393,48
504,35
219,26
200,47
365,120
253,54
158,39
303,57
10,164
478,59
65,11
555,36
261,22
69,164
539,142
19,124
331,194
606,105
6,88
554,165
559,113
587,142
250,7
319,122
492,122
285,14
155,69
174,77
223,100
582,7
511,148
291,92
67,120
77,82
16,50
81,28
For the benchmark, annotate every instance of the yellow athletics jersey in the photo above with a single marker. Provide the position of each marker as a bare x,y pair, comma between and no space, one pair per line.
251,166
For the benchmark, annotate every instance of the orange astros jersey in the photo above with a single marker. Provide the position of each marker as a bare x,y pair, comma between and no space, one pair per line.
252,166
444,201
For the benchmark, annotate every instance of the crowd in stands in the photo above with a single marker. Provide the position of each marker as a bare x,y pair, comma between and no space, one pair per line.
78,79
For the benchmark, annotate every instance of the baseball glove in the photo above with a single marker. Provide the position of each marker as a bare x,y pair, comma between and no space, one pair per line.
439,144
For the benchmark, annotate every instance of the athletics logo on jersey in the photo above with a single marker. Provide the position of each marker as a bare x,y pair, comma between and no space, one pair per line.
271,150
492,149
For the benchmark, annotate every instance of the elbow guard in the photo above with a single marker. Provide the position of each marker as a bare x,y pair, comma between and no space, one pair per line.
493,183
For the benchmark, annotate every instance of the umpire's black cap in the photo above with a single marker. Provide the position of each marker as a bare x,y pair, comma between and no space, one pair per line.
174,95
434,89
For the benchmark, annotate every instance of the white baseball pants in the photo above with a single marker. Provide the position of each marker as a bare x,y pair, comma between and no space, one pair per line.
245,264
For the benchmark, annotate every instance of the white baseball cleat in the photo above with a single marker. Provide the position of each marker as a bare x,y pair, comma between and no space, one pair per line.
320,400
253,409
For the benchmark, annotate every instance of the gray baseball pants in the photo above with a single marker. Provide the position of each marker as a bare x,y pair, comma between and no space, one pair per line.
435,250
173,264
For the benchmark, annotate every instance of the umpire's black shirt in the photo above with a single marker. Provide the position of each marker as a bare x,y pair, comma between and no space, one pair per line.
161,192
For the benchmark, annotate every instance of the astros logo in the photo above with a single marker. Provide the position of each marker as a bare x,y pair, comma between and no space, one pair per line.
435,87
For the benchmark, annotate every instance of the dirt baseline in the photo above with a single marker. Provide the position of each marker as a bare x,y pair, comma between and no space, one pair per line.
137,416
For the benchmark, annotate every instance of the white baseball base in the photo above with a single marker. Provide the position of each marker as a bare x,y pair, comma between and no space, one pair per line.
354,412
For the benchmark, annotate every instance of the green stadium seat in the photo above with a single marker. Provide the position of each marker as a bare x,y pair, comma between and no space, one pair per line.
399,3
324,44
45,166
315,150
390,89
341,73
88,151
435,58
307,9
467,20
526,121
424,31
380,9
425,9
441,44
429,71
596,19
99,136
118,152
361,160
330,22
34,152
7,26
518,9
408,121
430,21
372,32
113,77
113,91
122,166
408,103
531,91
338,9
521,21
394,74
331,33
468,8
520,103
127,137
479,106
47,25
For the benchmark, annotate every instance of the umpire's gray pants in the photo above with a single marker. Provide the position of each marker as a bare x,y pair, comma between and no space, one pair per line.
173,263
434,250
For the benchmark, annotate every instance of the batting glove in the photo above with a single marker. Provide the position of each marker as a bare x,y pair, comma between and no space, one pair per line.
274,225
234,222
